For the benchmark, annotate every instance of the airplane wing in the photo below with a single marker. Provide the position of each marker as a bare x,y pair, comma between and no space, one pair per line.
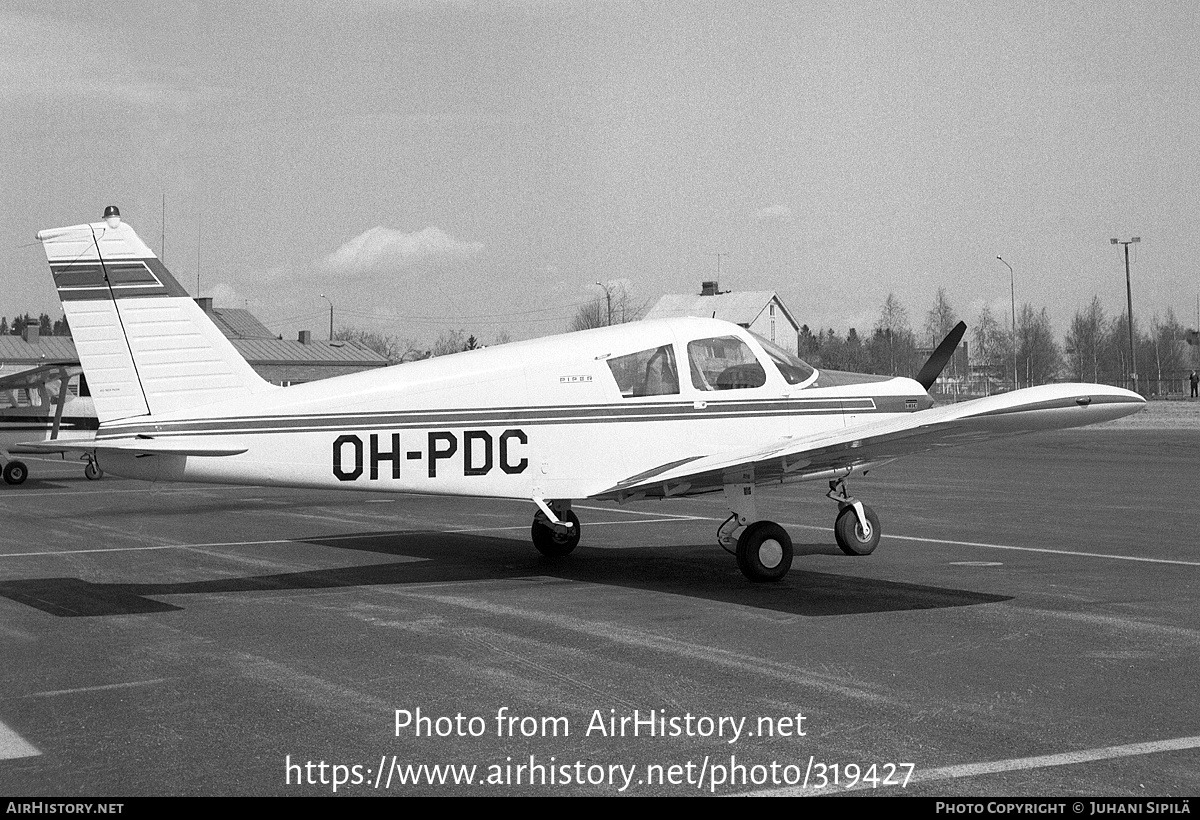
863,446
37,376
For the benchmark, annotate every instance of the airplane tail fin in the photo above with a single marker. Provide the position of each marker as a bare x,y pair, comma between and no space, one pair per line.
146,346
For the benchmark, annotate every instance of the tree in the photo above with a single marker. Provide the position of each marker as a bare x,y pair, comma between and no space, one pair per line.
61,327
1168,341
450,341
3,325
615,306
1085,342
1038,355
19,323
991,346
939,321
892,349
390,347
807,346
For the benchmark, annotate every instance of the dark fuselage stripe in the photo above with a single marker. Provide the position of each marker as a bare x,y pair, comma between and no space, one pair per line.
490,417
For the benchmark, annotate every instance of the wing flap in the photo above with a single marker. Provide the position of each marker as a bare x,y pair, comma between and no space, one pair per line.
1048,407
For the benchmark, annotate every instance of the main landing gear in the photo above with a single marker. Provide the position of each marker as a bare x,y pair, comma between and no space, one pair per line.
764,549
15,472
555,528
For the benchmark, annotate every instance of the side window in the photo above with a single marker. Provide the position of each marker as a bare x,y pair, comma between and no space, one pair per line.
646,373
724,363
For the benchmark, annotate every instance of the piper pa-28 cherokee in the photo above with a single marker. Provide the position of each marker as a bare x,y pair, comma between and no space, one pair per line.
651,409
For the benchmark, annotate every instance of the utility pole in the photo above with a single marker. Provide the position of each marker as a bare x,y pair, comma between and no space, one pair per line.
1133,375
1012,290
327,299
608,298
719,255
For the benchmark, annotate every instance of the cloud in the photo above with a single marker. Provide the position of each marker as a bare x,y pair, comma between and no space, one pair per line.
774,213
44,60
386,250
225,296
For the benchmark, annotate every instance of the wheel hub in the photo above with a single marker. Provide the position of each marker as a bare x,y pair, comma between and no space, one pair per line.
770,553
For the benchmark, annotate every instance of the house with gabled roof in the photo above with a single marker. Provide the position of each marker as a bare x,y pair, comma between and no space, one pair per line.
759,311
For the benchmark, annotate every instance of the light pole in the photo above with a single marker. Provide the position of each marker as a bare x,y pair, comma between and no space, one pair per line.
1012,292
608,298
1129,305
327,299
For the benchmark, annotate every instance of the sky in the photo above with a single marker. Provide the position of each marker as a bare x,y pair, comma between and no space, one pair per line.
427,166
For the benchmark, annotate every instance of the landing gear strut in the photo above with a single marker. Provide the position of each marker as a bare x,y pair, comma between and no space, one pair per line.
764,549
857,526
555,530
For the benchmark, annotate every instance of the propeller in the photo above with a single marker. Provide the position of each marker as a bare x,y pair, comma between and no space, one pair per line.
941,357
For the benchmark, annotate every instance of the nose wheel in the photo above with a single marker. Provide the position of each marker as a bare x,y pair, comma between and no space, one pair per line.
852,537
856,527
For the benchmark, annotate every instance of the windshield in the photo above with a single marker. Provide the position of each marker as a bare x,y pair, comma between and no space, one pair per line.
794,369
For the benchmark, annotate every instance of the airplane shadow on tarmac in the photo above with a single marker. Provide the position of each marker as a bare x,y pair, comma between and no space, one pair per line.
698,571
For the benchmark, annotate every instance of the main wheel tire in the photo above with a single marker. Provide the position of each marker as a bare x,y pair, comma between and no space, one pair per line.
552,543
764,552
849,533
92,471
15,472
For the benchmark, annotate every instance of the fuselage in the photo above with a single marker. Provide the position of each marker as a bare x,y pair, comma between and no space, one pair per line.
560,417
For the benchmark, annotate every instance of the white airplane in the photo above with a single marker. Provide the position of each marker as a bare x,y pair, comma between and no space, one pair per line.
652,409
37,401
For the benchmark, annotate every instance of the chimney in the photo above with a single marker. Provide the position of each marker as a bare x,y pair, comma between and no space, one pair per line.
205,303
305,337
31,334
708,288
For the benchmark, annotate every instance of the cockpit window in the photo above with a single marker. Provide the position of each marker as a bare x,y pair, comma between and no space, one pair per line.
794,369
724,363
646,373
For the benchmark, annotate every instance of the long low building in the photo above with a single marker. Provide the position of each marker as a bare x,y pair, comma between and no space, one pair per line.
277,360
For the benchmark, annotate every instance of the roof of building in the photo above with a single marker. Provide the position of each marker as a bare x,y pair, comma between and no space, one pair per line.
252,339
280,351
741,308
15,350
236,323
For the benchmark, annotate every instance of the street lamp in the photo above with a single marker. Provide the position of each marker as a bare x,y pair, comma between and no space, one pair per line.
327,299
1129,304
608,298
1012,292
